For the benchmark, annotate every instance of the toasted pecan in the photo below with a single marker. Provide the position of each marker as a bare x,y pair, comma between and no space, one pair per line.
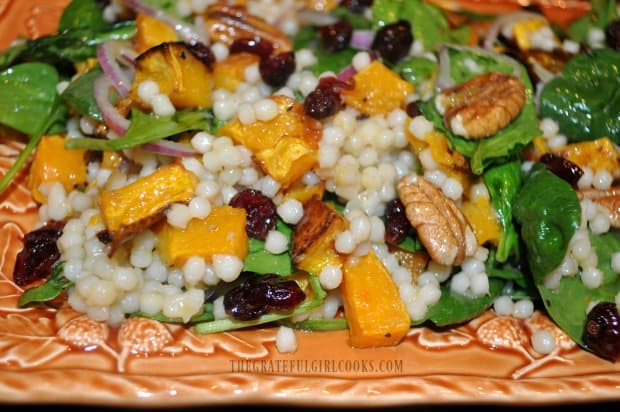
481,106
440,225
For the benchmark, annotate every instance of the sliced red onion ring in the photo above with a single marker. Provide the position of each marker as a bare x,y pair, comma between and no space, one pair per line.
500,22
362,39
444,80
349,71
170,148
187,32
112,118
107,59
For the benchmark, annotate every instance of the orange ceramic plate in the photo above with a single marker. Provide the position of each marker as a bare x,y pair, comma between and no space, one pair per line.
51,356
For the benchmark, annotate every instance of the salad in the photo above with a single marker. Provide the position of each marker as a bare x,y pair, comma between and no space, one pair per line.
366,165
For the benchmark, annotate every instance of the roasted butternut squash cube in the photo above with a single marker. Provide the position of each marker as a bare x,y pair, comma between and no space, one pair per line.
483,220
314,236
151,32
377,90
140,204
303,193
288,160
372,305
53,163
599,154
178,72
222,232
230,72
291,121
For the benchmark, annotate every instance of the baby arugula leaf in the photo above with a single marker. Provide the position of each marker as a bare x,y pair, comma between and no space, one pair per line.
47,291
147,128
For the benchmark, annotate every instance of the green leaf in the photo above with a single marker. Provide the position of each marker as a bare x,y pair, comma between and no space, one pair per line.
146,128
316,325
205,316
504,182
507,142
549,213
262,262
453,308
584,99
28,96
568,305
80,14
79,94
601,13
47,291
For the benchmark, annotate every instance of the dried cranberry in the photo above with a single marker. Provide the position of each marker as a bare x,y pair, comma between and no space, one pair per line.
397,226
612,34
203,53
255,45
562,167
356,6
413,109
260,211
325,100
393,41
40,253
262,294
602,331
335,37
275,69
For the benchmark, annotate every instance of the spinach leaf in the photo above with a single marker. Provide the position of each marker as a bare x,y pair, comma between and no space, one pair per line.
504,182
67,47
316,324
358,21
314,299
29,103
47,291
419,71
429,24
549,213
585,98
146,128
568,305
263,262
28,96
453,308
601,13
79,94
465,63
205,316
79,14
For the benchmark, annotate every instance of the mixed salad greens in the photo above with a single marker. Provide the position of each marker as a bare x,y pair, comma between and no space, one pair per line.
537,209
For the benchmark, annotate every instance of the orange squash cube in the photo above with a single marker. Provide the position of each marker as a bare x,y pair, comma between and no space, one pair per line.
230,72
372,305
53,163
222,232
377,90
151,32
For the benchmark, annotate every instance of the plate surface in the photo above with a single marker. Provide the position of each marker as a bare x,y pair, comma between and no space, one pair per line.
60,356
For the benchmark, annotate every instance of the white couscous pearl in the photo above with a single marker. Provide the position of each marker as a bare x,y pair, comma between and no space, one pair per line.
194,270
543,341
227,267
615,262
503,306
523,309
291,211
265,109
276,242
330,277
286,341
592,277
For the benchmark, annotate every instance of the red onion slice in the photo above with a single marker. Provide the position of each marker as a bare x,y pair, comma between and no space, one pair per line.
107,59
170,148
349,71
362,39
112,118
187,32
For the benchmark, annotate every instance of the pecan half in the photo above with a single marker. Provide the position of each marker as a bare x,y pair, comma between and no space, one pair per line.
440,225
482,105
227,23
609,199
